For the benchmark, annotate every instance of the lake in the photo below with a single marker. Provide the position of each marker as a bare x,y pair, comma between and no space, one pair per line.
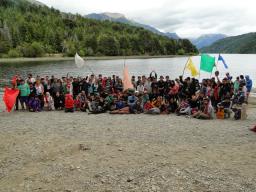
238,64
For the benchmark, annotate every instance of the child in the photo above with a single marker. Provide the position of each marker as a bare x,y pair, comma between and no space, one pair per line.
48,102
69,103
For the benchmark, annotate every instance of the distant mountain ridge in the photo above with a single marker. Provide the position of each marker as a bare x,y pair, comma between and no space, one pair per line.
36,2
243,44
207,40
118,17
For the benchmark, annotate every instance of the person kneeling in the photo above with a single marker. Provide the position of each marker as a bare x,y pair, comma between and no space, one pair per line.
48,102
69,103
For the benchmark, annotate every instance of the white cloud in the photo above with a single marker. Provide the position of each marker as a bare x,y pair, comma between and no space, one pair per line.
189,18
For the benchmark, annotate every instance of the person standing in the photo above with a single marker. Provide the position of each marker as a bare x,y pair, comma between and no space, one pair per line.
248,86
24,93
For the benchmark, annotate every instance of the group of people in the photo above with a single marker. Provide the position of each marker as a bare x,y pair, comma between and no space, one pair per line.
151,94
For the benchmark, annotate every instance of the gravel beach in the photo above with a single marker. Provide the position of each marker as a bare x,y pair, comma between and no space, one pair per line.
58,152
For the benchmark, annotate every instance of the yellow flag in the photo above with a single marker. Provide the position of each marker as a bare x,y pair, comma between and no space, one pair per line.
190,66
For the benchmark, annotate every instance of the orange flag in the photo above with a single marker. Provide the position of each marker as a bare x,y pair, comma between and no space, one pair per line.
127,83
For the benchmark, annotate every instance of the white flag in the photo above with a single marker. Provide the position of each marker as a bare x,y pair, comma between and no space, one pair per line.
80,62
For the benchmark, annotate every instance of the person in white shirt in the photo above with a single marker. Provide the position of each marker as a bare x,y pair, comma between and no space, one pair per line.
140,88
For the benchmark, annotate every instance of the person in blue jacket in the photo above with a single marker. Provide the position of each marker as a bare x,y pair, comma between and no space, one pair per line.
248,85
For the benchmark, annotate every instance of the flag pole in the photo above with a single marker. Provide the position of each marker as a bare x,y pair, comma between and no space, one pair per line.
185,67
216,64
199,71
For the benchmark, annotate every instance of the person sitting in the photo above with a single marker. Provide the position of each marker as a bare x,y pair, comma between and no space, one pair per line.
225,104
96,105
149,108
58,101
48,102
184,108
69,103
34,103
77,102
206,111
83,101
172,105
132,100
159,106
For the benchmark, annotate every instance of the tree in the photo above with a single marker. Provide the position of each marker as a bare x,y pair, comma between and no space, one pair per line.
34,30
108,45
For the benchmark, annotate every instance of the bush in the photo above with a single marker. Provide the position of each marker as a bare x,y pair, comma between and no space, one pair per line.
181,52
35,49
13,53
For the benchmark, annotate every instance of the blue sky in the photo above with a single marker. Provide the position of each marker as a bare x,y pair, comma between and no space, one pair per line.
188,18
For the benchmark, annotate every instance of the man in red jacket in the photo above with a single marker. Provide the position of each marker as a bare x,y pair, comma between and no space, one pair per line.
69,103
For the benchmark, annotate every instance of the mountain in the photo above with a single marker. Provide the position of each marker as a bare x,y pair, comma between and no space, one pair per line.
36,2
29,30
244,44
114,17
120,18
17,2
207,40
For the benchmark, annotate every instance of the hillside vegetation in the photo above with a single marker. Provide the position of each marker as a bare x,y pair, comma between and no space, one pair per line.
238,44
31,30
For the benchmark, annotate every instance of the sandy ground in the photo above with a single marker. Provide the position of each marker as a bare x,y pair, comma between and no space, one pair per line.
54,151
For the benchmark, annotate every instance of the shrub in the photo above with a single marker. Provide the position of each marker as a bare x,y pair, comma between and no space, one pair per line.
181,52
14,53
35,49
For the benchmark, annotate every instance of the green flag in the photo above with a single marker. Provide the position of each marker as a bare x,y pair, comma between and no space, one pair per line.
207,63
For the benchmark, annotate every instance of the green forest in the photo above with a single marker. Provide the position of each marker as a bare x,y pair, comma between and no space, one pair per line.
244,44
29,30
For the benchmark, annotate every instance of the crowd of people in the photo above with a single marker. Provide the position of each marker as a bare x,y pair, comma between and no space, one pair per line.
150,95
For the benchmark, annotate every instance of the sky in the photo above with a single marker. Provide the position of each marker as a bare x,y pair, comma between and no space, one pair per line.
188,18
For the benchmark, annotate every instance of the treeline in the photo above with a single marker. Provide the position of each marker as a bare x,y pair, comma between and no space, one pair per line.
28,30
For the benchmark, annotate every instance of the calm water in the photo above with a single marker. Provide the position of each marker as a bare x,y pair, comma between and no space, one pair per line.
238,64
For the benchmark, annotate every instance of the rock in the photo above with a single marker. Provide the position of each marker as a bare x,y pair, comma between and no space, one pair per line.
72,168
130,179
97,175
155,188
82,147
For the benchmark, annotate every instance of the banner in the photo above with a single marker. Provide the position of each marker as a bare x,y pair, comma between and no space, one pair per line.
9,98
190,66
127,83
207,63
79,61
220,58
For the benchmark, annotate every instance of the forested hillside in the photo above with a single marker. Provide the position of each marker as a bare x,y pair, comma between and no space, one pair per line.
32,30
238,44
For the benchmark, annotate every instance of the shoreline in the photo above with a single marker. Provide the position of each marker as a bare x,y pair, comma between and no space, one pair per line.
59,58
